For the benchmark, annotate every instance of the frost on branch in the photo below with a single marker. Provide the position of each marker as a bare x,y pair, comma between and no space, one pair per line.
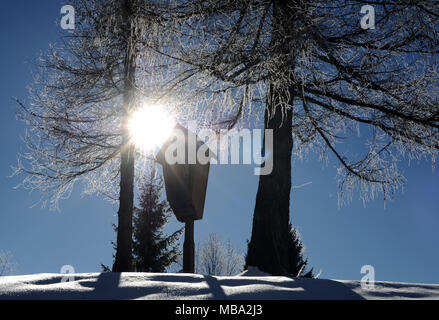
345,80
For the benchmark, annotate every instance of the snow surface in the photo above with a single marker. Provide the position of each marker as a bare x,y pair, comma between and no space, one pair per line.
249,285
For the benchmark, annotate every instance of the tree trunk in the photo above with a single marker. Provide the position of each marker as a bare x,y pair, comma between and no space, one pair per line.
123,259
268,247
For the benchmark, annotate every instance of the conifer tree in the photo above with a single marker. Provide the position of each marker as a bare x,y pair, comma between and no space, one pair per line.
152,250
298,262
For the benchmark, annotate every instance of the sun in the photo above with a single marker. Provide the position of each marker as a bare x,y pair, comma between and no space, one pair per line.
150,126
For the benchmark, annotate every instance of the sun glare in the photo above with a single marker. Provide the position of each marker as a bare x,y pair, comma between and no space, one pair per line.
150,126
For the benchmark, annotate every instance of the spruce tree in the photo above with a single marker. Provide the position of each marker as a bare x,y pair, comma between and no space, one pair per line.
298,262
152,250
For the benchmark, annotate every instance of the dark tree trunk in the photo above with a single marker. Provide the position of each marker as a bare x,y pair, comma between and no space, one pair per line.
123,259
268,247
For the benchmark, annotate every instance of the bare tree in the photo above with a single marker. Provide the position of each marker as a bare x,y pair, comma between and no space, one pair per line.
85,90
7,266
216,258
234,261
318,78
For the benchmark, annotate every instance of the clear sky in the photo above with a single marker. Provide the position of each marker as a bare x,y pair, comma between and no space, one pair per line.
400,241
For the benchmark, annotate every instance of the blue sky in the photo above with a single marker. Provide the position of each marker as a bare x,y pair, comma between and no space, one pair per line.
400,240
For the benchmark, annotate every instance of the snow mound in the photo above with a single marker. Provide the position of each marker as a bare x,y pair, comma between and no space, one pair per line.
251,285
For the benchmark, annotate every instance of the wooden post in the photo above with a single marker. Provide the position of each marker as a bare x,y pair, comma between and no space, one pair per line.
188,247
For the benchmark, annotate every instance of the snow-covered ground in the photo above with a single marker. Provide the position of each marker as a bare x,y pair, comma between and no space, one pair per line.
248,286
